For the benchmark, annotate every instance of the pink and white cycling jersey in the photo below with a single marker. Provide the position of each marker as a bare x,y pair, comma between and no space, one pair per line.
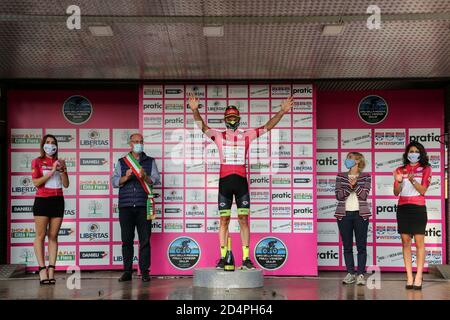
233,148
409,194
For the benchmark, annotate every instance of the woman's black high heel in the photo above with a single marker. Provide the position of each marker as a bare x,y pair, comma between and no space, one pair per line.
44,281
52,280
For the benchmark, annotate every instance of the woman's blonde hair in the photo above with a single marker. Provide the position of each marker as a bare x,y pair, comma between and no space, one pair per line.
360,158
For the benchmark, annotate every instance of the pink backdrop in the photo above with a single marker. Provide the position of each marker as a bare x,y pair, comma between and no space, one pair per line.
408,110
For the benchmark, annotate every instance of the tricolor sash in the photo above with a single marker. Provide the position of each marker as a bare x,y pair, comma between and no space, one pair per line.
148,188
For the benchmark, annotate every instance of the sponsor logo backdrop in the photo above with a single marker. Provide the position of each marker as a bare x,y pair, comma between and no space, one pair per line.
281,176
412,115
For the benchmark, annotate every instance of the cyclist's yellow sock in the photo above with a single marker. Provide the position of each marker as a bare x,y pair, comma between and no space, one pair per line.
223,252
245,251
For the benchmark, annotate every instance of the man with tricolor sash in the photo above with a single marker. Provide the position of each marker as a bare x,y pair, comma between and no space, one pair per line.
135,175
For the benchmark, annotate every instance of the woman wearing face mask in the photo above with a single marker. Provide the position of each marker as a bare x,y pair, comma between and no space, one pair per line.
49,176
352,213
411,183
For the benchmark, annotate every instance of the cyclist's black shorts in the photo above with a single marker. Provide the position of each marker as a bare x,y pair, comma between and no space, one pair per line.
237,186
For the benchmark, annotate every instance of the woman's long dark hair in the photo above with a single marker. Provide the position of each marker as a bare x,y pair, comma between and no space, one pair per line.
42,156
423,160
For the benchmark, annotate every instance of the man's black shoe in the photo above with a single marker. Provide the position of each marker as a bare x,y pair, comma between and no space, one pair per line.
126,276
145,277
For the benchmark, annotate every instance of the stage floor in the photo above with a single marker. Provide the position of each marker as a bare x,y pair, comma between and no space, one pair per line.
327,286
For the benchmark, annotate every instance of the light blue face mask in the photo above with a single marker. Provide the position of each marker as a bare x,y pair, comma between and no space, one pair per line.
50,149
413,157
138,148
349,163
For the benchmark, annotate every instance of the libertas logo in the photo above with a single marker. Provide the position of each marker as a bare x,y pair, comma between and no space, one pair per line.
25,187
94,233
94,140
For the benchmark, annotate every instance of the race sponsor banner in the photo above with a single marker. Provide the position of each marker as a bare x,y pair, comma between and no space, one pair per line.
281,166
383,146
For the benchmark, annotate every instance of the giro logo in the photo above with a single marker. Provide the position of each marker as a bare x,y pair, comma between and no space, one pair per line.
153,106
259,180
284,195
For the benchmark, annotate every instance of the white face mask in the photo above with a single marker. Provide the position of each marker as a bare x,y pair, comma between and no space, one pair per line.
50,149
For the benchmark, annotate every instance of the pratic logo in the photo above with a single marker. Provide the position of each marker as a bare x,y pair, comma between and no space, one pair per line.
302,91
89,255
174,121
156,225
22,186
154,106
423,138
383,209
94,232
303,211
326,161
328,256
260,181
94,139
433,232
281,196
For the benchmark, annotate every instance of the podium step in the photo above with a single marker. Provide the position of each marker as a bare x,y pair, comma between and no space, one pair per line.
12,270
239,279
